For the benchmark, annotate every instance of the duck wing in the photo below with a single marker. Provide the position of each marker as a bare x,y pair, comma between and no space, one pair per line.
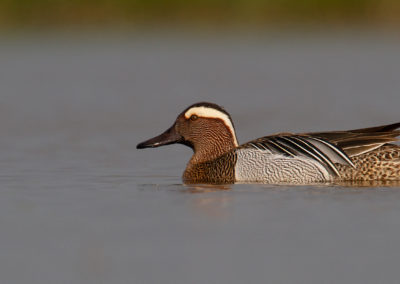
359,141
327,148
298,145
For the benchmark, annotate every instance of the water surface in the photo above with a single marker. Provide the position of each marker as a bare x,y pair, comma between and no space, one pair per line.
79,204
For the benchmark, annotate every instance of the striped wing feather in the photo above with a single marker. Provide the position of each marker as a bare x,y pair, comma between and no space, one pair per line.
360,141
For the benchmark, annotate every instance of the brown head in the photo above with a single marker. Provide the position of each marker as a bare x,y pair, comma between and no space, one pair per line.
205,127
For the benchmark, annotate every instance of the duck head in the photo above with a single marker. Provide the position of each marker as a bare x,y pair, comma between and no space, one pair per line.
205,127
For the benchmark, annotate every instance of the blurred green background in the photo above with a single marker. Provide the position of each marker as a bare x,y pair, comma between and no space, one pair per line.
182,13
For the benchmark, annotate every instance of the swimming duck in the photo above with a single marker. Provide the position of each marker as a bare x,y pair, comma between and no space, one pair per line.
305,158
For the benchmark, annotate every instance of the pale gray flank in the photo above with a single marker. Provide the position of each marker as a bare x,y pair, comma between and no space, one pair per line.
255,165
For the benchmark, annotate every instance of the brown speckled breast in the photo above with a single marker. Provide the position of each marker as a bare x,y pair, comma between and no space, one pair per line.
380,164
218,171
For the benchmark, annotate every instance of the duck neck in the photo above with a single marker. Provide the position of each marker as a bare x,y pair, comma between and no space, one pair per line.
210,149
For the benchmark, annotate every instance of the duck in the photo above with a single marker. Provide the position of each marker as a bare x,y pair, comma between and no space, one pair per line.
367,154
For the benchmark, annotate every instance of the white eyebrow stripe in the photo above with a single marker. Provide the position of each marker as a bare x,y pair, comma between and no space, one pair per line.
207,112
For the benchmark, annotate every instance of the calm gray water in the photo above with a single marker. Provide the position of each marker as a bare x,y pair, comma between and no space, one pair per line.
79,204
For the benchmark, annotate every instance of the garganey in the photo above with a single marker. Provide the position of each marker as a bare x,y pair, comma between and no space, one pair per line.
304,158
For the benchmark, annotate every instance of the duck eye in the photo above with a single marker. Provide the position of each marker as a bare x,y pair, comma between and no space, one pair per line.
194,117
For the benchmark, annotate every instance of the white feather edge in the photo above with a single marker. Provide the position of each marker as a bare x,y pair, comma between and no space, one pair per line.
334,154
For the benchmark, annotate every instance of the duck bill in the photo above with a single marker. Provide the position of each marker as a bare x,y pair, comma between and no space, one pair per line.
168,137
